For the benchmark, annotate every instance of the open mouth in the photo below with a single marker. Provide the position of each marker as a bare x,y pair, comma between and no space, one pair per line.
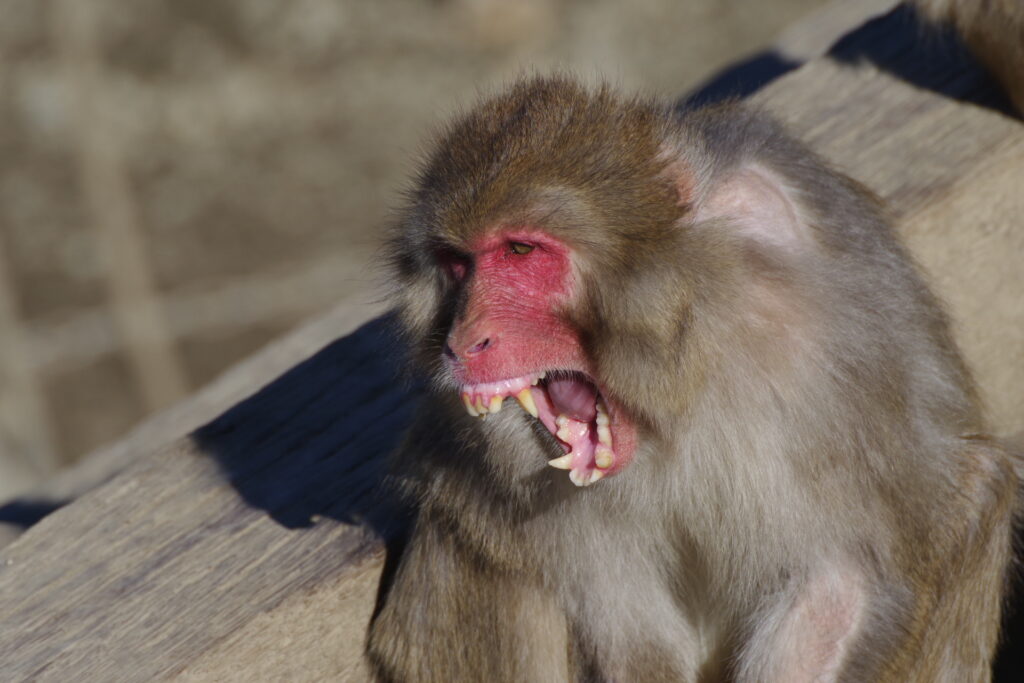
569,405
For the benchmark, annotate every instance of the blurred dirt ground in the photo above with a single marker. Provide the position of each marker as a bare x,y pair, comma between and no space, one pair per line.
182,180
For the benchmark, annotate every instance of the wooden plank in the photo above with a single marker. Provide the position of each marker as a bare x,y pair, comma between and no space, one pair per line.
189,545
252,549
971,243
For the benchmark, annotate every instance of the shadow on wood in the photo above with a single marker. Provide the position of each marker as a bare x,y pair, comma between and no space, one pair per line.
740,80
930,57
901,43
315,442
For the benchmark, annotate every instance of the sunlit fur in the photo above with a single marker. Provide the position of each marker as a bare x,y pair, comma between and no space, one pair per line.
803,413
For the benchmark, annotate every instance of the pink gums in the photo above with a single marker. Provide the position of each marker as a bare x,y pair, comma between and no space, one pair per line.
580,438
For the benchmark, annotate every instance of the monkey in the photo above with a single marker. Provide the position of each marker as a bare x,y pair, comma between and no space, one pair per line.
746,446
994,32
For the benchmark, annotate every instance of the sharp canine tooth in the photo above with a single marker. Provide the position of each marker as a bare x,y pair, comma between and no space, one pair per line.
563,463
526,401
576,478
495,404
603,458
469,405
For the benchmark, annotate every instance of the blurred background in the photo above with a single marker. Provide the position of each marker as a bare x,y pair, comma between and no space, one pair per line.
183,180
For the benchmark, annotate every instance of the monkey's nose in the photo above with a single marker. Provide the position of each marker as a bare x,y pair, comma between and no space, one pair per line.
455,350
479,347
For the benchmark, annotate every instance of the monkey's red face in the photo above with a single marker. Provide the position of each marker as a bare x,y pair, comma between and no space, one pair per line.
512,338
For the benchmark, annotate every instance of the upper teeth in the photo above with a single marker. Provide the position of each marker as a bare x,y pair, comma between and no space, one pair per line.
484,399
468,401
525,399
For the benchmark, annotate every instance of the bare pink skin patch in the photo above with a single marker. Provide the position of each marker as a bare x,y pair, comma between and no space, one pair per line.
511,341
808,638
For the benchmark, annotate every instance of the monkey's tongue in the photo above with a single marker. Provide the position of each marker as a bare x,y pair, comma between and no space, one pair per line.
588,443
573,397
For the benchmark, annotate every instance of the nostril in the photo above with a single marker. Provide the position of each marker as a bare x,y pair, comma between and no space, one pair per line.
448,351
481,346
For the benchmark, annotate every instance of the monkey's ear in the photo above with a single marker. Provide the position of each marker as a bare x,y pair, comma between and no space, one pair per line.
758,204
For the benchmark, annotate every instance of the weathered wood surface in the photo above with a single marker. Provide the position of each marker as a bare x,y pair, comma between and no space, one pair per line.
252,550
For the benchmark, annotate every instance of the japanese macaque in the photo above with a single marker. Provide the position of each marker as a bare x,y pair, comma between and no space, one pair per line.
994,30
745,447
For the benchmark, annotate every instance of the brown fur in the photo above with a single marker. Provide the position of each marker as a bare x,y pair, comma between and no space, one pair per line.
808,463
994,30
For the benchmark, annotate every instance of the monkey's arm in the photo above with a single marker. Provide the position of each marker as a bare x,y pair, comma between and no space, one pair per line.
940,623
962,581
449,617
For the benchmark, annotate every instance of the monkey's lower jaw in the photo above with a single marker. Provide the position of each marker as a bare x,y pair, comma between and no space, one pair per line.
569,405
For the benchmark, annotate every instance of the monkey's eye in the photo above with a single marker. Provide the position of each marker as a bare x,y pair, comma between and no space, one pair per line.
520,248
